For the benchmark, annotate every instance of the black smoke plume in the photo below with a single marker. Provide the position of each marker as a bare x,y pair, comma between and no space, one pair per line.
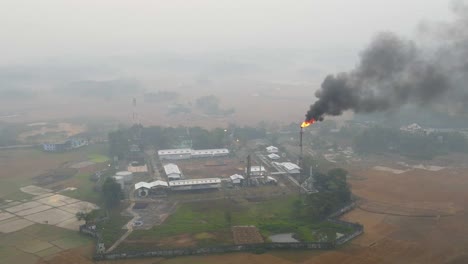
393,72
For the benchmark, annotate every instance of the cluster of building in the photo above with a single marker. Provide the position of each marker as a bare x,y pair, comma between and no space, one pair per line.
179,154
69,144
176,181
273,153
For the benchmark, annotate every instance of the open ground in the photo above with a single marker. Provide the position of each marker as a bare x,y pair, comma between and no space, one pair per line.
35,222
413,217
222,167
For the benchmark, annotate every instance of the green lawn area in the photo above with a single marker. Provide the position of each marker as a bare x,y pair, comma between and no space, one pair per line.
271,216
85,189
111,230
98,158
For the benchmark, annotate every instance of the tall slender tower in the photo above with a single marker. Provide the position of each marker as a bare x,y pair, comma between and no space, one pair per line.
135,115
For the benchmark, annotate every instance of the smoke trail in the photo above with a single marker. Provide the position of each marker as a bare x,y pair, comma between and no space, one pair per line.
393,72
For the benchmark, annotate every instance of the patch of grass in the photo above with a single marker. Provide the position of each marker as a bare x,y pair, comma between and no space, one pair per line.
85,189
271,217
202,236
98,158
18,196
69,242
111,229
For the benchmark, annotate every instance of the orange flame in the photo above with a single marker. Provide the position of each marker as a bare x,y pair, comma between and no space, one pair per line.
307,123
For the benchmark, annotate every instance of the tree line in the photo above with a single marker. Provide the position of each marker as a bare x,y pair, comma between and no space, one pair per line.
333,193
178,137
377,140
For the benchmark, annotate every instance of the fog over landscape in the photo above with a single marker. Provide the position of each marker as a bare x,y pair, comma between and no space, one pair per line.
54,48
234,131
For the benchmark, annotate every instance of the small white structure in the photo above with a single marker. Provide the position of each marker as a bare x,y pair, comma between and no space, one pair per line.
272,149
120,181
290,167
172,172
236,178
273,156
126,175
195,184
256,171
271,180
174,154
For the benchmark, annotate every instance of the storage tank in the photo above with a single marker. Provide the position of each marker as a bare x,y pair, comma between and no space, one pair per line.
120,181
126,175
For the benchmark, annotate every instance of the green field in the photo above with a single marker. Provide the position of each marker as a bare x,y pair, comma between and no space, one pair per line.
85,189
200,219
98,158
112,230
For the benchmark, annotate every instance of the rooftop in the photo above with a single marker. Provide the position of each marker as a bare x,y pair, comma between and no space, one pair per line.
236,176
195,182
150,185
257,168
171,168
290,166
174,151
192,151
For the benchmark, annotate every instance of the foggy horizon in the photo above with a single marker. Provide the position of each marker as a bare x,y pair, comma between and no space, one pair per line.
37,32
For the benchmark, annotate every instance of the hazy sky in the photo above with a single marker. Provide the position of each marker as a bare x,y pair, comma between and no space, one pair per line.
38,29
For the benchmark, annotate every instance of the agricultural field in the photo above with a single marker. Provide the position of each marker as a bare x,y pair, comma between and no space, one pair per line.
37,242
35,222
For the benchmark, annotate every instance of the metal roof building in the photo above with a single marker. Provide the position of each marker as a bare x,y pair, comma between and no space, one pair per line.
195,184
272,149
172,171
144,188
256,170
209,153
273,156
290,167
150,185
175,154
236,178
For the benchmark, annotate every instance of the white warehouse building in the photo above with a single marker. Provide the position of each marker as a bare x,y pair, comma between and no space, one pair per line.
290,167
236,178
206,153
144,188
177,154
172,172
256,171
195,184
274,156
272,149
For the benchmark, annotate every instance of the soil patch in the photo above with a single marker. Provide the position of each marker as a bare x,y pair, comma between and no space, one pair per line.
54,176
246,235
